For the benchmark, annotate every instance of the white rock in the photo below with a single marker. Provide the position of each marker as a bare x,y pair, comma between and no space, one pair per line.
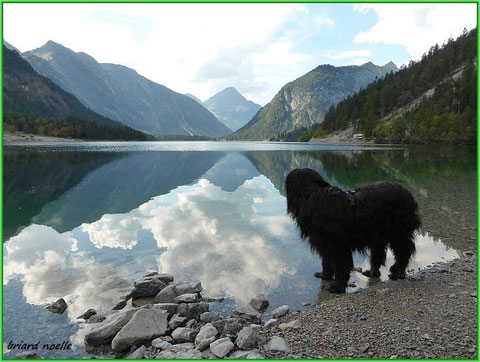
221,347
182,347
161,344
190,354
255,355
104,332
280,311
206,335
270,323
145,325
256,327
187,298
277,344
239,354
247,338
293,324
171,308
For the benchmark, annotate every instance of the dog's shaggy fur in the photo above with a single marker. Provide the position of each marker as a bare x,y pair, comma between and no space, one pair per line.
370,218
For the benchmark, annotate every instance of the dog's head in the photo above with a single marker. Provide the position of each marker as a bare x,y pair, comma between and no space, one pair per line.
299,184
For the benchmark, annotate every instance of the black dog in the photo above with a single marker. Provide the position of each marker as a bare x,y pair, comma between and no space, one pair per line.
371,217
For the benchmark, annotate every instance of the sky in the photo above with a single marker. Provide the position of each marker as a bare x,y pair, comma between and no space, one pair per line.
256,48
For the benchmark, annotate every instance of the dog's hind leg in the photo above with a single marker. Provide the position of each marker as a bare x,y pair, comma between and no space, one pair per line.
377,258
327,269
402,248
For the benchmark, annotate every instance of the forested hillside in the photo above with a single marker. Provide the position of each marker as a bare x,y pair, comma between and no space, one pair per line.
433,100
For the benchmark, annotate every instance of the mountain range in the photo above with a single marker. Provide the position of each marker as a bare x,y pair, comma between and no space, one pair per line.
120,93
232,108
305,101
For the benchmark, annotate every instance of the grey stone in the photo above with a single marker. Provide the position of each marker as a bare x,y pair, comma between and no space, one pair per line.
280,311
221,347
210,317
246,338
171,308
229,327
192,310
87,314
190,287
293,324
166,278
105,332
145,325
27,355
120,305
206,335
161,344
277,344
259,303
270,323
255,355
167,354
192,323
256,327
147,287
190,354
182,347
96,318
248,313
183,334
138,353
453,295
239,354
187,298
140,302
176,321
149,273
166,295
58,307
208,354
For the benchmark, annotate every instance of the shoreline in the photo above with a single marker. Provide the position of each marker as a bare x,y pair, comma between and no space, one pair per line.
11,138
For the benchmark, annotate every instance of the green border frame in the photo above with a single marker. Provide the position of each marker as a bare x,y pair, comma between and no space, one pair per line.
223,2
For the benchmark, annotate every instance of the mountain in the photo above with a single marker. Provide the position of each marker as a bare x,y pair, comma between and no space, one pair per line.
28,96
122,94
433,100
11,47
304,101
193,97
231,108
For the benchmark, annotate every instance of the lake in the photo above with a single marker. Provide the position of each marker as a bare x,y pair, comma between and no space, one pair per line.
82,221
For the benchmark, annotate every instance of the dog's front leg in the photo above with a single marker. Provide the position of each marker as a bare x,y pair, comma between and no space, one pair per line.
327,269
343,263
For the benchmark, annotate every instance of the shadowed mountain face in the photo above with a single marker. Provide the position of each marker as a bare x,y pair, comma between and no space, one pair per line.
306,100
122,94
231,108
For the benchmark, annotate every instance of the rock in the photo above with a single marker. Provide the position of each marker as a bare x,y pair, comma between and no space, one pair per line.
270,323
293,324
105,332
213,300
149,273
239,354
140,302
187,298
208,354
229,327
277,344
145,325
96,318
166,295
176,321
120,305
474,294
182,347
186,288
58,307
192,323
190,354
171,308
192,310
256,327
138,353
364,348
183,334
167,354
246,338
147,287
161,344
362,318
27,355
453,295
166,278
426,336
248,313
259,303
206,335
255,355
210,317
221,347
280,311
87,314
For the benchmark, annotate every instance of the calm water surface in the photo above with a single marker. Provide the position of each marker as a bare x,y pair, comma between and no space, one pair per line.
83,220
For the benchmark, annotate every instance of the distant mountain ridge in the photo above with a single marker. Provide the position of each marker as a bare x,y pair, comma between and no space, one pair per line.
232,108
120,93
305,101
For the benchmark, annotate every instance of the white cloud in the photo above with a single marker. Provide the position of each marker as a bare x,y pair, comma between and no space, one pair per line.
349,54
416,26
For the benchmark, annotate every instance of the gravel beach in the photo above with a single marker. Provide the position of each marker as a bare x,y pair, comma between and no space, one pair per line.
431,314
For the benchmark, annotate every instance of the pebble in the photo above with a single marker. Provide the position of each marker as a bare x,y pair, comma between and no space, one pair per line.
279,344
280,311
221,347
